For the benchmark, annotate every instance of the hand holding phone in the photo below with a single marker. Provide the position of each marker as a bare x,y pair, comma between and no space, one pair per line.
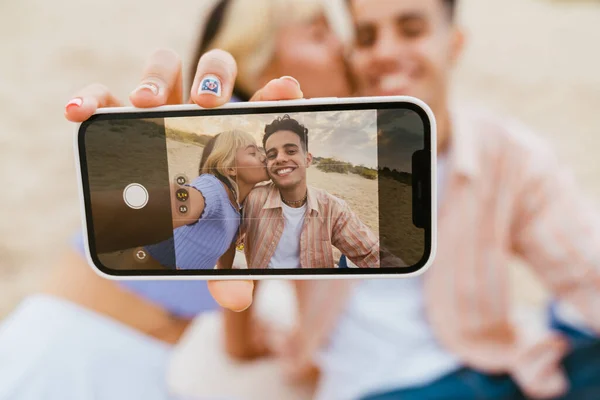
161,84
168,191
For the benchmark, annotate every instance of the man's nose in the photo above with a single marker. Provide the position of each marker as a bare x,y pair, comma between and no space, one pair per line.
389,46
281,158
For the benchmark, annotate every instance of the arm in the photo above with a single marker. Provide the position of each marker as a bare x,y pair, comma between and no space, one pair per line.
557,231
119,227
236,326
195,207
320,304
245,335
354,239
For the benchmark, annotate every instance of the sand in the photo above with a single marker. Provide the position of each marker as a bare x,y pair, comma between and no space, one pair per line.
184,159
532,59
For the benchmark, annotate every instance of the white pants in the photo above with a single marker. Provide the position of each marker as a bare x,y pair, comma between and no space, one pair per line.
52,349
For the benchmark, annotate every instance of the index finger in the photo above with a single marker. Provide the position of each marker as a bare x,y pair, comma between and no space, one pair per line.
161,81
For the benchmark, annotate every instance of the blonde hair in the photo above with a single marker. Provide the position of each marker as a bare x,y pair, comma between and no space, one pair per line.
249,30
223,156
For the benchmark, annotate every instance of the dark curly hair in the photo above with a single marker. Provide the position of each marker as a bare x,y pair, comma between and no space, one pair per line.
286,123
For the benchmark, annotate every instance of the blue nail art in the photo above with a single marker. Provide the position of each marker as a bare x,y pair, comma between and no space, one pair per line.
210,84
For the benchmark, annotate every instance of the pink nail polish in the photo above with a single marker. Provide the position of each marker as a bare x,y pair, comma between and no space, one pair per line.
76,102
149,86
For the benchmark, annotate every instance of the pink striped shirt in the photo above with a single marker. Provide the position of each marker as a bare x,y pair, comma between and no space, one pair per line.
328,222
506,195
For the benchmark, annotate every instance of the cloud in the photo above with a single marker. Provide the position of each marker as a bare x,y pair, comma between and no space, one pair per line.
349,136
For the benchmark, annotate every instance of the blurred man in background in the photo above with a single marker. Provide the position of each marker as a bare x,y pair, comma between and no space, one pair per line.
449,334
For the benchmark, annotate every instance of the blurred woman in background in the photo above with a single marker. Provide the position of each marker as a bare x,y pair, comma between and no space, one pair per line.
271,38
85,336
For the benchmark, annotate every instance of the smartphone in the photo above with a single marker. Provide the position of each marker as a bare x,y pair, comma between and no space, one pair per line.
303,189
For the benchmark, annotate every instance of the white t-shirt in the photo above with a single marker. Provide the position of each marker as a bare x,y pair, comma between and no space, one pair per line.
287,253
383,340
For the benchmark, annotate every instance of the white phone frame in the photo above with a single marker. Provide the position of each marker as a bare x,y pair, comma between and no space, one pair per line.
327,101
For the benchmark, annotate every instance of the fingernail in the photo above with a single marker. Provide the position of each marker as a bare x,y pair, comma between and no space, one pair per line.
210,84
76,102
291,78
152,87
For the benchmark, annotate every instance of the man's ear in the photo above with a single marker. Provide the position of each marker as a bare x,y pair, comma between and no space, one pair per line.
309,159
457,44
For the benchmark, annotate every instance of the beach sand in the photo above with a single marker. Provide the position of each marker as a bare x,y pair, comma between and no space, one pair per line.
184,158
530,59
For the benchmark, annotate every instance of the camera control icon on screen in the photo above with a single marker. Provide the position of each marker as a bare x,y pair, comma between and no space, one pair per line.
140,255
181,180
182,195
135,196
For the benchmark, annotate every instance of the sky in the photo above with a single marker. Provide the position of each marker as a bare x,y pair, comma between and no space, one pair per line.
348,136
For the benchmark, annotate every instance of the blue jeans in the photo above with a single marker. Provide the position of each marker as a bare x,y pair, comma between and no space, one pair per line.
582,366
343,263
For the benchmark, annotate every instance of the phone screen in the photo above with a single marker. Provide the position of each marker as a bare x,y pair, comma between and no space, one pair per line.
296,190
